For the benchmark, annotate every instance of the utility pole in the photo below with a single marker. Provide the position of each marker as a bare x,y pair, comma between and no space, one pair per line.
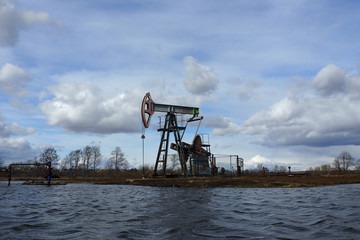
143,140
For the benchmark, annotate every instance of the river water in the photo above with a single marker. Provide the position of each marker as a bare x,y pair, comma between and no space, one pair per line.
87,211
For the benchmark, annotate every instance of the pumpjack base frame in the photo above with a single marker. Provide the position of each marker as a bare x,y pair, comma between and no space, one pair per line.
170,126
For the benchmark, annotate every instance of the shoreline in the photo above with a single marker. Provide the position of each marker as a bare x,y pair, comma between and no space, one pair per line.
248,182
287,181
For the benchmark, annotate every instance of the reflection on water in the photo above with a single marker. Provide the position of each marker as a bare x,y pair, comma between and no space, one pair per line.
86,211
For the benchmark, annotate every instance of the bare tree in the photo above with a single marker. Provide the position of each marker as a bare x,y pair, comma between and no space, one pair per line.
49,155
326,168
96,154
75,157
118,160
282,169
357,165
259,167
65,163
343,161
1,162
72,161
86,156
175,165
337,164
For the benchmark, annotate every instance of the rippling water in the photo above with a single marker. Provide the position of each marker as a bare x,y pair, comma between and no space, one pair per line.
86,211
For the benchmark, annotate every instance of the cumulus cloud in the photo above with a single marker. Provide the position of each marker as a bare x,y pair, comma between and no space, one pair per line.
12,21
13,80
313,122
199,79
330,116
7,130
253,162
258,159
330,80
83,107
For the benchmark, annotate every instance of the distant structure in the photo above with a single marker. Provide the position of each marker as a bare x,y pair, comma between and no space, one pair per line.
9,170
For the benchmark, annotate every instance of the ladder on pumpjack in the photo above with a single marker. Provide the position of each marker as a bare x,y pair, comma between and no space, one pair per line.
170,125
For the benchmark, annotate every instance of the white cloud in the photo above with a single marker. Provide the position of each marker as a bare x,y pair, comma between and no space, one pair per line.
12,21
258,159
320,119
330,80
13,80
7,130
199,79
83,107
18,143
266,162
315,120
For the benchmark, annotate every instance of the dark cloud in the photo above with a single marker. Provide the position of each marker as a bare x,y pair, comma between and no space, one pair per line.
16,150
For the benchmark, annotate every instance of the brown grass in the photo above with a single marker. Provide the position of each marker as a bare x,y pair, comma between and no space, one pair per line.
242,182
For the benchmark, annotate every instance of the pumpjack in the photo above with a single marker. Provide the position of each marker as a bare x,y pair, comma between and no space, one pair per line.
194,158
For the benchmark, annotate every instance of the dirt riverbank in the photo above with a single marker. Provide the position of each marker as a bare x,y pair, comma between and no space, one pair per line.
248,182
242,182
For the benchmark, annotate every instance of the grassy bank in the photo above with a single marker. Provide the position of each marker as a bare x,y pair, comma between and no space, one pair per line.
242,182
250,182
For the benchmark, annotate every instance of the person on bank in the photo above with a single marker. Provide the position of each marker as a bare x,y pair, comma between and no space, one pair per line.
49,175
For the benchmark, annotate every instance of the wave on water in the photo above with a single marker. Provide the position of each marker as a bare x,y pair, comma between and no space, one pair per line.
87,211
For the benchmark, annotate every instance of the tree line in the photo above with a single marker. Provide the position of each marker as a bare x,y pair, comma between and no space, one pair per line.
81,162
343,163
89,159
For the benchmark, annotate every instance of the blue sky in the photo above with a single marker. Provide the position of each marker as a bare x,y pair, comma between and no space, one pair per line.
276,81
